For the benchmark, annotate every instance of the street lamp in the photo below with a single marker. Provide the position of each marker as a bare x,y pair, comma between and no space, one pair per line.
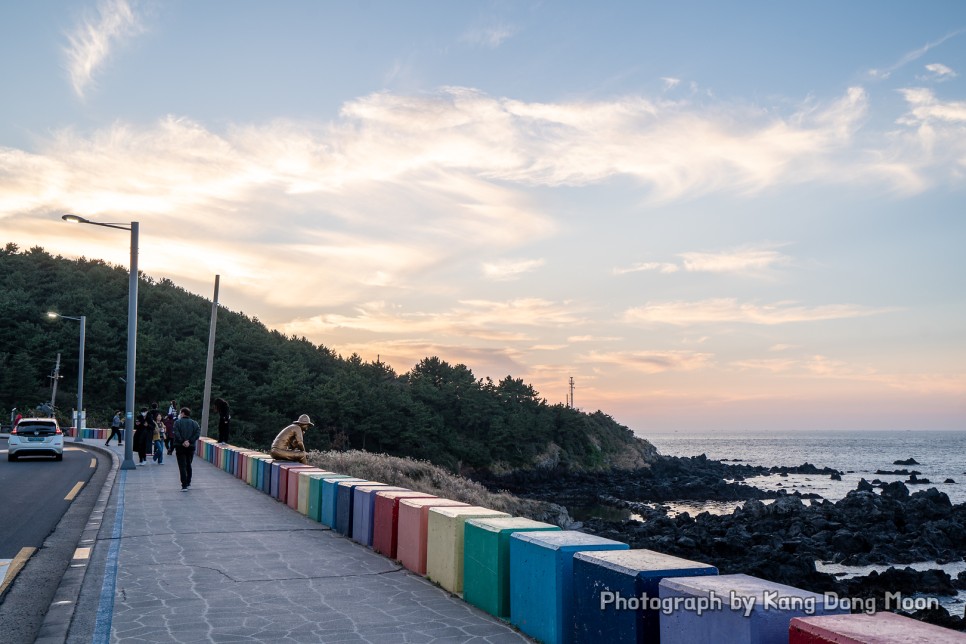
80,369
132,332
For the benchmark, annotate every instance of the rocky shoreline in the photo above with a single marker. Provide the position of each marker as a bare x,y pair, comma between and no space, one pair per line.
779,541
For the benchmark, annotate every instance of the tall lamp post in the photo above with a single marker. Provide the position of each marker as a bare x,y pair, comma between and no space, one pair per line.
80,369
132,332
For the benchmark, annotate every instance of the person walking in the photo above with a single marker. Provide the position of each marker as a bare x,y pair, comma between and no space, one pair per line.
186,433
116,429
168,431
158,438
142,433
224,420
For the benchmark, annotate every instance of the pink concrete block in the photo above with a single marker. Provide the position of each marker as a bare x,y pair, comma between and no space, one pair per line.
385,519
860,628
292,487
412,530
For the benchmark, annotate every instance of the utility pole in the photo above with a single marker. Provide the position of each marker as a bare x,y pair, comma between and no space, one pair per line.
211,359
56,377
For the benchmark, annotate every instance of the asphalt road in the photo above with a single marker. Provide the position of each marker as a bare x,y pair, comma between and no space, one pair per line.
34,492
36,513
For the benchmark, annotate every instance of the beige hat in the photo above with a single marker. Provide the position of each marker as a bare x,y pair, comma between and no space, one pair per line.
304,420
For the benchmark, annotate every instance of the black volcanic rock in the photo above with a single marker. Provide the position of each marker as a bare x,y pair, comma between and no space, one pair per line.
908,461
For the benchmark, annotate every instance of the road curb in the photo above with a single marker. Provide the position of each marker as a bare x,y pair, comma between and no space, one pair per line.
59,615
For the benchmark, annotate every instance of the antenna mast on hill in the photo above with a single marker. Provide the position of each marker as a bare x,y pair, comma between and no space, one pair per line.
571,400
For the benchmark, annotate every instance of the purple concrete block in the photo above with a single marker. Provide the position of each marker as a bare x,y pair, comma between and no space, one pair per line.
734,609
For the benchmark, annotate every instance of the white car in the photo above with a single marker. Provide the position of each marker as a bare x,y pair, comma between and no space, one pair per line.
36,437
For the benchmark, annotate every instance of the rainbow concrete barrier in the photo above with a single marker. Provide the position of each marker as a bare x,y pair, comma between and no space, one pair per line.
330,498
486,560
541,580
557,579
343,509
363,503
610,590
90,433
385,519
444,542
412,529
733,609
861,628
293,488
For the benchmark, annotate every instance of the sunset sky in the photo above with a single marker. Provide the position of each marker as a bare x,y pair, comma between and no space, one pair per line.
713,216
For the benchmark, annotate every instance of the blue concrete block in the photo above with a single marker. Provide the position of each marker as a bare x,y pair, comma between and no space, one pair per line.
343,510
273,484
330,498
363,506
265,475
612,591
737,609
541,581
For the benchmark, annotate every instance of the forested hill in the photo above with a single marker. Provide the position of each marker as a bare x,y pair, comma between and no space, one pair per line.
437,411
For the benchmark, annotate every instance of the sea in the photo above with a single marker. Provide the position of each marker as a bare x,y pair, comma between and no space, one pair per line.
941,456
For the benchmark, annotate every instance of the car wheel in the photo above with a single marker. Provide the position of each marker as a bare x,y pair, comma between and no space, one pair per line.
11,457
59,457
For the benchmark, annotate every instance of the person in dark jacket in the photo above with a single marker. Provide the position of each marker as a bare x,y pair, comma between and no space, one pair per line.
143,427
186,434
224,420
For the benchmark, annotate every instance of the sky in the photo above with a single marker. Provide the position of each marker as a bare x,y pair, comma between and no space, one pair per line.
712,216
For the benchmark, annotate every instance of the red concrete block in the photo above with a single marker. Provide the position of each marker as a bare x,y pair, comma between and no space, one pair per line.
412,531
862,628
385,519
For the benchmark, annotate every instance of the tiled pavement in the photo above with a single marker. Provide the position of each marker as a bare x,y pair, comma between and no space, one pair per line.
226,563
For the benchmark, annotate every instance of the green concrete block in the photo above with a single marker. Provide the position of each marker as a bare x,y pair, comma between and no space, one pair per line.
486,560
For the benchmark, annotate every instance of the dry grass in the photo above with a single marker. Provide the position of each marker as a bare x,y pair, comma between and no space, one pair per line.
423,476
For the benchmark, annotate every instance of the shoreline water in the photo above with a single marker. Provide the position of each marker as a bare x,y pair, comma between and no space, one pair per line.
940,455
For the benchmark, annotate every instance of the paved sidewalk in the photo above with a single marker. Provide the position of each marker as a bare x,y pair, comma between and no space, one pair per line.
226,563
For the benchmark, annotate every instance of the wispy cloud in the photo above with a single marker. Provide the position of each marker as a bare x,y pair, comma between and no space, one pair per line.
730,310
670,83
491,36
742,260
925,107
938,73
652,361
507,270
659,267
749,260
481,319
92,41
913,55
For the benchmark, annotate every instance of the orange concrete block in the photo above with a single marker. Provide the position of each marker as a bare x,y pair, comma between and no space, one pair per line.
412,530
